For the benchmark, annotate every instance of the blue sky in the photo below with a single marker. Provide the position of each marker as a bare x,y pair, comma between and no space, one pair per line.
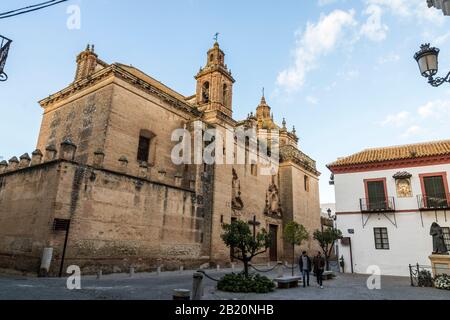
341,71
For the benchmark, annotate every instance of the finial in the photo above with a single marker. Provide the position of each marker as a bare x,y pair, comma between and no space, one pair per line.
88,47
263,98
216,37
284,123
93,48
293,130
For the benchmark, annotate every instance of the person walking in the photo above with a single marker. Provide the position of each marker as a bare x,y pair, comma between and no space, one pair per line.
305,268
319,268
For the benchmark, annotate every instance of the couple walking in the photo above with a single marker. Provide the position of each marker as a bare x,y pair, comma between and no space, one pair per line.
317,265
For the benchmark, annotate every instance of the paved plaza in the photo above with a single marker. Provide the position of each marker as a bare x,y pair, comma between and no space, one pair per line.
151,286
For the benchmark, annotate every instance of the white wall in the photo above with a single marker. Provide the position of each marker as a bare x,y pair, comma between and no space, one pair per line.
410,242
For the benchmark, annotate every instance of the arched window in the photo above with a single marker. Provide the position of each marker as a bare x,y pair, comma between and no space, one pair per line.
205,92
145,139
211,57
225,95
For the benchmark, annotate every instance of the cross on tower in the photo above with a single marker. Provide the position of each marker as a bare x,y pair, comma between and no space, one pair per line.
216,36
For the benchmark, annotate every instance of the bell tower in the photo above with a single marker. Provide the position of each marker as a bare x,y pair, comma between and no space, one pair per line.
215,84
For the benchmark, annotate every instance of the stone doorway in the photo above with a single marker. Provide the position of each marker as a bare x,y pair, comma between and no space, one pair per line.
274,243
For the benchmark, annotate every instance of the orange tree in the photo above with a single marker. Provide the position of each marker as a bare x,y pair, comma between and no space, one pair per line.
245,245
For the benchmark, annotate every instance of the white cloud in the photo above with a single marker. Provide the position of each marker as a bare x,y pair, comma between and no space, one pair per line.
429,120
396,120
392,57
413,131
374,29
312,100
435,109
440,40
319,39
326,2
417,9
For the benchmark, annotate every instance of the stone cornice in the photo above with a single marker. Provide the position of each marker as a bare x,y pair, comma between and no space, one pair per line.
215,68
290,153
117,71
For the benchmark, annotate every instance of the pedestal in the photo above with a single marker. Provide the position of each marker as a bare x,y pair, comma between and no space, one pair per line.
440,264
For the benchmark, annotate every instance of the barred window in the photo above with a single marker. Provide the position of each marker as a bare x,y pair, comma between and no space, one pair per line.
446,232
381,239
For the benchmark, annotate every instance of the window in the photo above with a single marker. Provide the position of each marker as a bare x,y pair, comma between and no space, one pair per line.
381,239
435,195
145,139
254,169
306,181
376,194
225,95
446,232
205,92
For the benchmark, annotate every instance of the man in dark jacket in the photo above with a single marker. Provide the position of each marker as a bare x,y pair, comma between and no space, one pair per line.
305,268
319,268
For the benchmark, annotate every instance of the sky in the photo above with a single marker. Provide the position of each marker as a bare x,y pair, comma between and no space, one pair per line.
341,71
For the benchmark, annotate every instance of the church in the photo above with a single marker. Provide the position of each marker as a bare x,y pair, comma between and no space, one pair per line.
101,190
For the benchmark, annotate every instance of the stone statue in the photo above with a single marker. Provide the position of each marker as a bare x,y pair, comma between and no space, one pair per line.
236,201
273,203
439,246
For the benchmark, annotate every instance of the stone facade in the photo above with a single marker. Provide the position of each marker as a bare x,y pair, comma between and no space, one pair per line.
128,211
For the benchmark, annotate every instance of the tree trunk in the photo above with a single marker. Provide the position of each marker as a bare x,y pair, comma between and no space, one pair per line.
293,258
246,268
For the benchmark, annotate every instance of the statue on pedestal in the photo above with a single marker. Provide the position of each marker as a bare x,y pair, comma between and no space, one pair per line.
439,246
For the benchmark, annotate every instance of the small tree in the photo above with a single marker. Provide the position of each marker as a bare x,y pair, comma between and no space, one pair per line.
295,234
244,245
326,239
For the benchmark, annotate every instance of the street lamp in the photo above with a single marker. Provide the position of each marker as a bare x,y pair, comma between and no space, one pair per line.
427,59
4,49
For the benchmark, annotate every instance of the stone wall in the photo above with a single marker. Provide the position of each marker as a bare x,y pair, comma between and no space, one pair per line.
82,119
117,220
300,205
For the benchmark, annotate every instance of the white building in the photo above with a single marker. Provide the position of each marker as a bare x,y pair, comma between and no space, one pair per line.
386,202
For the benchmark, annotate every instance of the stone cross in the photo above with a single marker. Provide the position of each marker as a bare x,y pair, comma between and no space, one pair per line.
254,223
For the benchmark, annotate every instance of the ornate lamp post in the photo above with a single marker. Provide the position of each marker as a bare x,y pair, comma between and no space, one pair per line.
4,49
427,59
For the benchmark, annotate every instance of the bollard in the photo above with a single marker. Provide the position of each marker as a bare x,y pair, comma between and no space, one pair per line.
280,270
218,267
233,267
197,287
181,295
131,272
46,262
181,269
99,274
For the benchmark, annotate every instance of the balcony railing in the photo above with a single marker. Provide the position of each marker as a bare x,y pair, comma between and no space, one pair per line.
377,205
434,202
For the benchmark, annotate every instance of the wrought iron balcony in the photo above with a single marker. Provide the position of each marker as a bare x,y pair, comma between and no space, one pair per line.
4,49
377,205
434,202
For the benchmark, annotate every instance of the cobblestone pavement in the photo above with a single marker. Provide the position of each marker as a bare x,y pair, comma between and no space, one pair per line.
151,286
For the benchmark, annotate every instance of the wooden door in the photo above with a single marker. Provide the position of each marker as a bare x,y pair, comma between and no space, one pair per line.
274,243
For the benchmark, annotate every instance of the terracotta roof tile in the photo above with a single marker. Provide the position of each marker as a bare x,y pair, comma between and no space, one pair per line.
411,151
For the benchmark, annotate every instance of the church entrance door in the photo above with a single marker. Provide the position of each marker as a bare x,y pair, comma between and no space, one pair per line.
274,243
